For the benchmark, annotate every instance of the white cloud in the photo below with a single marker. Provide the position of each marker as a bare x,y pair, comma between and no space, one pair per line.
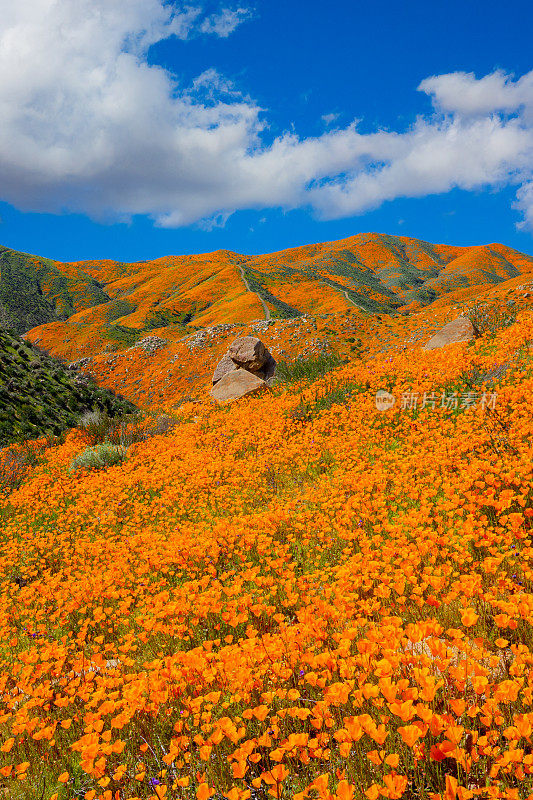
463,93
210,84
329,119
89,125
524,202
225,21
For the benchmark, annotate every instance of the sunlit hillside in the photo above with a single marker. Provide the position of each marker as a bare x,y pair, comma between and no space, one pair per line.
165,366
368,273
293,596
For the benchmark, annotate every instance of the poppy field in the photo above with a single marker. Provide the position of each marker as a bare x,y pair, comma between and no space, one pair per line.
293,596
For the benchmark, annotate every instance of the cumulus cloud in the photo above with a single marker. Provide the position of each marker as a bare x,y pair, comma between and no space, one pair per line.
88,124
463,93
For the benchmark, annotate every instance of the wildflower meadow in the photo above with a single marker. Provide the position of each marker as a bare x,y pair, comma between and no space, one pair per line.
297,595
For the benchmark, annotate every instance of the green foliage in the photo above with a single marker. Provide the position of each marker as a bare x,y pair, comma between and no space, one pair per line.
119,308
34,291
39,396
100,456
122,336
257,283
307,368
161,317
22,304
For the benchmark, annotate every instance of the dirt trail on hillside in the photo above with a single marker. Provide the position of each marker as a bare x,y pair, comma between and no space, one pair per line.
265,307
353,301
345,293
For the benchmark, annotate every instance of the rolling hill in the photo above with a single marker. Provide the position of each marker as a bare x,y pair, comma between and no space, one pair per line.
294,596
154,330
83,308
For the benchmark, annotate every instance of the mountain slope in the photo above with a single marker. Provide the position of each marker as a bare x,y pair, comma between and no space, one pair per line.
97,306
294,596
38,395
36,290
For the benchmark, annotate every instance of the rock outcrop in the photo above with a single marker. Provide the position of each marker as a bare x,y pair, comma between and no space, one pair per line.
458,330
224,367
235,384
246,353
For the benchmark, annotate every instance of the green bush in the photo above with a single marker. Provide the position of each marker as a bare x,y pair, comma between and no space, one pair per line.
123,430
100,456
307,368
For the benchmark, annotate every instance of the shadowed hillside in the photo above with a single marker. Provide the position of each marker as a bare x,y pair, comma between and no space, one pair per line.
35,290
39,396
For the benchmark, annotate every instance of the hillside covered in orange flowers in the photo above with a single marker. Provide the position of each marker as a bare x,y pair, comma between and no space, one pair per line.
296,596
106,305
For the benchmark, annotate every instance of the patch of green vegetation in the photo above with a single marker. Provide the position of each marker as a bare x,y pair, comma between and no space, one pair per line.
34,291
161,317
307,368
119,308
122,336
257,283
39,396
100,456
22,303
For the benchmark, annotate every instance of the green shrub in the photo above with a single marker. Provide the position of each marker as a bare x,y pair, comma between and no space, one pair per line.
100,456
124,430
307,368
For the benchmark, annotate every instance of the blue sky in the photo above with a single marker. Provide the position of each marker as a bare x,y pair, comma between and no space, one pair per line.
137,129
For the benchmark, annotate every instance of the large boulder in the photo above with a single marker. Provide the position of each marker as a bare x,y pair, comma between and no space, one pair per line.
237,384
458,330
248,352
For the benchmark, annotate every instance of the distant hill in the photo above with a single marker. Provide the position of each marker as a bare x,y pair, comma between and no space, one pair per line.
38,395
83,308
37,290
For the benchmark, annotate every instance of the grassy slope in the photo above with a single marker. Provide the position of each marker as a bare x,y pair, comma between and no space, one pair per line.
39,396
37,290
293,596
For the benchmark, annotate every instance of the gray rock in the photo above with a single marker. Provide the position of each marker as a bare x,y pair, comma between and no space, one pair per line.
268,369
458,330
